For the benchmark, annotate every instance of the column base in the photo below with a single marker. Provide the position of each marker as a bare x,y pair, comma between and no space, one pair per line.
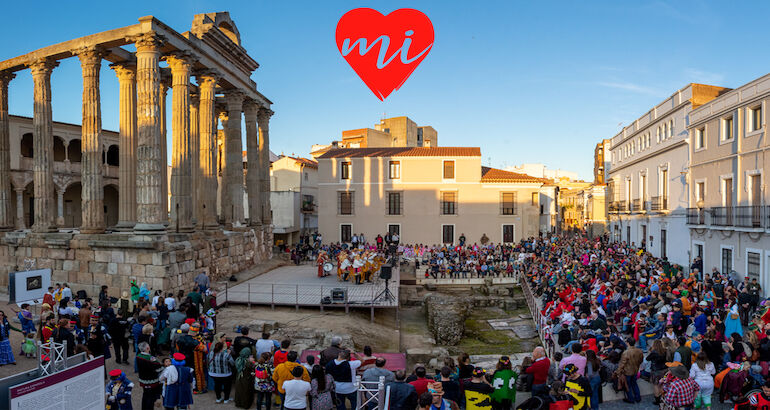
44,229
60,220
91,231
182,229
150,228
125,226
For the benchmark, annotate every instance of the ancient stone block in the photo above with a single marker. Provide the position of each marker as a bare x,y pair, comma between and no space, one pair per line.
102,256
123,269
117,256
155,271
144,258
57,254
84,255
138,270
71,265
97,267
112,268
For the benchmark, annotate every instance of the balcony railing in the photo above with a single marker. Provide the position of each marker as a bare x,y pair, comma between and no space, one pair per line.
659,203
722,216
696,216
614,206
307,207
748,216
622,206
636,205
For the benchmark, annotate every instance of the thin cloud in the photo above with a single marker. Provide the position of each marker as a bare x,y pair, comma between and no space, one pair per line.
629,87
694,75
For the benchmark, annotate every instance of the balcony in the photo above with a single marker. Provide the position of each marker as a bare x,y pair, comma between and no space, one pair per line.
721,215
748,216
696,216
636,205
659,203
613,207
307,208
623,206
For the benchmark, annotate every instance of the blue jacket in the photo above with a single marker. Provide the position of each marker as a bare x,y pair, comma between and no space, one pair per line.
701,323
136,331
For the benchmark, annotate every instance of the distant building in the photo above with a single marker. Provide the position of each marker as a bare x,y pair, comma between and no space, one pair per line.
293,198
389,132
541,171
429,195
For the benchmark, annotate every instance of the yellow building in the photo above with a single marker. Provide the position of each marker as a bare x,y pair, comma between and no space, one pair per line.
428,195
389,132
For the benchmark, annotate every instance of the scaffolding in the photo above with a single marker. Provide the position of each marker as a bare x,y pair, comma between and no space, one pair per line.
51,357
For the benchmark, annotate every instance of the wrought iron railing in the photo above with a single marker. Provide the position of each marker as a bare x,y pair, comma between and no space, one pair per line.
696,216
748,216
721,215
659,203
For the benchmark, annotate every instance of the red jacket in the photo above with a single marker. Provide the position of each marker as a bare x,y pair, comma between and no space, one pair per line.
539,371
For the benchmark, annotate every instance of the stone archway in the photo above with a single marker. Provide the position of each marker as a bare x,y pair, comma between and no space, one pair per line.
111,204
59,149
73,151
73,214
26,145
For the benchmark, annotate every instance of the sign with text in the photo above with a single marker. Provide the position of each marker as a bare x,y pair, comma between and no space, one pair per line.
384,50
79,387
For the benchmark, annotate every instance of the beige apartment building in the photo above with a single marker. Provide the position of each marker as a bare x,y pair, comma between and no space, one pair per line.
728,212
428,195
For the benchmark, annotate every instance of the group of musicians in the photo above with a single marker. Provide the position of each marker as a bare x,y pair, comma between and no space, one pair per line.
358,264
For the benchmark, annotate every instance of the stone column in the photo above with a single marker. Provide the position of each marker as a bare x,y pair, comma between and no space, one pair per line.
194,155
59,207
263,119
127,171
42,145
150,215
207,194
92,195
221,162
165,83
181,187
250,109
6,222
20,208
233,194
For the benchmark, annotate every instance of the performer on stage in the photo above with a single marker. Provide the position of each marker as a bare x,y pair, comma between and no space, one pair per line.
357,264
322,259
345,265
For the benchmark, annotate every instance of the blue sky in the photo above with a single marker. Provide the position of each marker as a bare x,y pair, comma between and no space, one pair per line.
526,81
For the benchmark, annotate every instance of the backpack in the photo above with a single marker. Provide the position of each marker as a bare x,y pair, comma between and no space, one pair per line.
604,374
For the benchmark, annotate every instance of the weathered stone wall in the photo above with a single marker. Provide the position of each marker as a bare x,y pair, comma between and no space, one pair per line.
446,318
167,262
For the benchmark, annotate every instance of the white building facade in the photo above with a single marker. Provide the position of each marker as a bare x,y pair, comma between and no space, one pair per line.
647,176
728,216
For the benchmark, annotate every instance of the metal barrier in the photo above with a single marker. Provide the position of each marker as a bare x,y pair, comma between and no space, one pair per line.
372,393
541,325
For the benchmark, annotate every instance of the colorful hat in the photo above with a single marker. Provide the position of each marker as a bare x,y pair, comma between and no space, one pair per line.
478,372
115,373
570,369
436,389
179,357
211,312
189,321
673,364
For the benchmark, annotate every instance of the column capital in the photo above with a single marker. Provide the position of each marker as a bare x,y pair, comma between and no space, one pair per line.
150,41
264,114
42,66
180,61
250,108
207,75
6,77
89,56
234,100
194,98
124,71
166,80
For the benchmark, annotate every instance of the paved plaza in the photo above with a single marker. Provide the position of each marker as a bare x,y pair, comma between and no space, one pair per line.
299,285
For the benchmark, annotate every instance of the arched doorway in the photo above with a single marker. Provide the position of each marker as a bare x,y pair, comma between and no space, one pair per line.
113,155
73,150
111,205
73,216
59,151
26,145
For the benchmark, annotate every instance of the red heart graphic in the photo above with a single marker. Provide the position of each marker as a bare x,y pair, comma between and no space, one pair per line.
384,50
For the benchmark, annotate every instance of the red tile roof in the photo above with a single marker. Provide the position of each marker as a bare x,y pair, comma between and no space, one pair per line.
494,175
403,152
306,162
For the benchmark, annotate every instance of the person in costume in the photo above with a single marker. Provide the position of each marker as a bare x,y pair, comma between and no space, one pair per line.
578,387
199,358
322,259
180,381
357,264
6,352
504,382
346,265
118,391
134,291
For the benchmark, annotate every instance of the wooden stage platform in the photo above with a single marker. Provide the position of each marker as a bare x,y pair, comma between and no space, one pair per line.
300,286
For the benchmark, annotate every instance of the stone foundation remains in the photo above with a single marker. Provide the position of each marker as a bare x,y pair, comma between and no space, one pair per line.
446,318
167,262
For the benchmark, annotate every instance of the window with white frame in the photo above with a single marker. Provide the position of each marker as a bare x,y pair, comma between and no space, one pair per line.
345,170
700,138
726,131
727,260
657,134
700,191
395,169
670,129
755,118
449,170
753,261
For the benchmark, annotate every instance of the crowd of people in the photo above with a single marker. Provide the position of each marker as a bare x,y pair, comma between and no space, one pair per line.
616,313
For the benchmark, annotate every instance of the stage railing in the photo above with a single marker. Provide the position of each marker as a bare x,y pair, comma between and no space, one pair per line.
372,395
